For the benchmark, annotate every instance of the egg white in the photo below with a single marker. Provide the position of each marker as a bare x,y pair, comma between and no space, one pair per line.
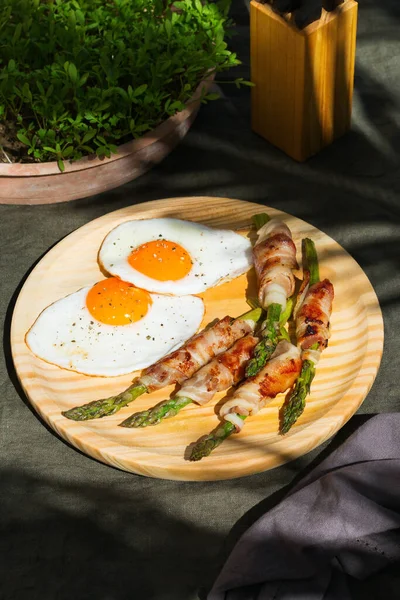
65,334
218,255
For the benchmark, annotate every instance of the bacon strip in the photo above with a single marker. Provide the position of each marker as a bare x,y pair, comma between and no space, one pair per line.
274,259
221,373
197,352
279,374
312,319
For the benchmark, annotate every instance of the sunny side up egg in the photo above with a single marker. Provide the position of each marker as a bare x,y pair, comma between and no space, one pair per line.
113,328
171,256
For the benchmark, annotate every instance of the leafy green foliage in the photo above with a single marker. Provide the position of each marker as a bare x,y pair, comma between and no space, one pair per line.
80,76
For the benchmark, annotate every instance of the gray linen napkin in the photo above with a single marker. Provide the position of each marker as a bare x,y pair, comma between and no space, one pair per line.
342,518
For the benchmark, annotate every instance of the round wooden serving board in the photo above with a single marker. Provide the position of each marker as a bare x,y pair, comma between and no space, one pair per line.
344,375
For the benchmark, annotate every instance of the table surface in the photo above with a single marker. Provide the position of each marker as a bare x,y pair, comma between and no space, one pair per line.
74,528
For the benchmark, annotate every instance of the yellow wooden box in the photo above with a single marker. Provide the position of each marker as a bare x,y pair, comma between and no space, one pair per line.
303,79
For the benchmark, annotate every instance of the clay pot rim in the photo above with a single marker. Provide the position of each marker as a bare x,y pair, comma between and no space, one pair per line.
91,161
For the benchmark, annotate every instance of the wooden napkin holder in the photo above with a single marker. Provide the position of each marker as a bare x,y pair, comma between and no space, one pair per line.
303,92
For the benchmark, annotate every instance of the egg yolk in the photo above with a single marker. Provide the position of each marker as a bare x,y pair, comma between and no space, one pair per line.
115,302
162,260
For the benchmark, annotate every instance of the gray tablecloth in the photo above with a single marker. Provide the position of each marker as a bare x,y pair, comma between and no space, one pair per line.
334,531
74,528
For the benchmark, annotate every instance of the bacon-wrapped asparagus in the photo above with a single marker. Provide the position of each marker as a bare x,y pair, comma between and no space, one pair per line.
312,314
174,368
276,377
225,370
274,261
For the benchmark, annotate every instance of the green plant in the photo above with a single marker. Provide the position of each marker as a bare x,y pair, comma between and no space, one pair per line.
80,76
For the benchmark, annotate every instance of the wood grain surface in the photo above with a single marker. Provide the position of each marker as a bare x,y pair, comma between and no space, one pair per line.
302,98
344,376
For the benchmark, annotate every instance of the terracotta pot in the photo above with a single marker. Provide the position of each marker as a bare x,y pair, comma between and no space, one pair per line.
43,183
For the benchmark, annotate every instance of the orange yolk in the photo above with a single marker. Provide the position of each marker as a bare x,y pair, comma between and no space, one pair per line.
115,302
161,260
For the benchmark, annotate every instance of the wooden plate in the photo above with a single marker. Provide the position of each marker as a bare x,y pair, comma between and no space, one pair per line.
344,376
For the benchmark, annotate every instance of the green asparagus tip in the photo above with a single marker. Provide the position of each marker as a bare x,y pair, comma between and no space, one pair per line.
261,355
105,407
260,220
269,340
205,446
202,449
135,420
153,416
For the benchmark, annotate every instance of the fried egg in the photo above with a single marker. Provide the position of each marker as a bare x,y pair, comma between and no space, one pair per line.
170,256
113,328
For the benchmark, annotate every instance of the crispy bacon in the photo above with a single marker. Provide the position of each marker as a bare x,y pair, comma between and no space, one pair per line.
274,259
279,374
197,352
221,373
312,319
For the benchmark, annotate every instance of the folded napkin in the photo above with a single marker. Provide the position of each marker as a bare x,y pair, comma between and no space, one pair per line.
341,519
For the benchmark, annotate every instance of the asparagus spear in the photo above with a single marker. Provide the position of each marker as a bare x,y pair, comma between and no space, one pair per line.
269,340
273,331
270,329
154,415
283,319
204,447
109,406
295,404
171,407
